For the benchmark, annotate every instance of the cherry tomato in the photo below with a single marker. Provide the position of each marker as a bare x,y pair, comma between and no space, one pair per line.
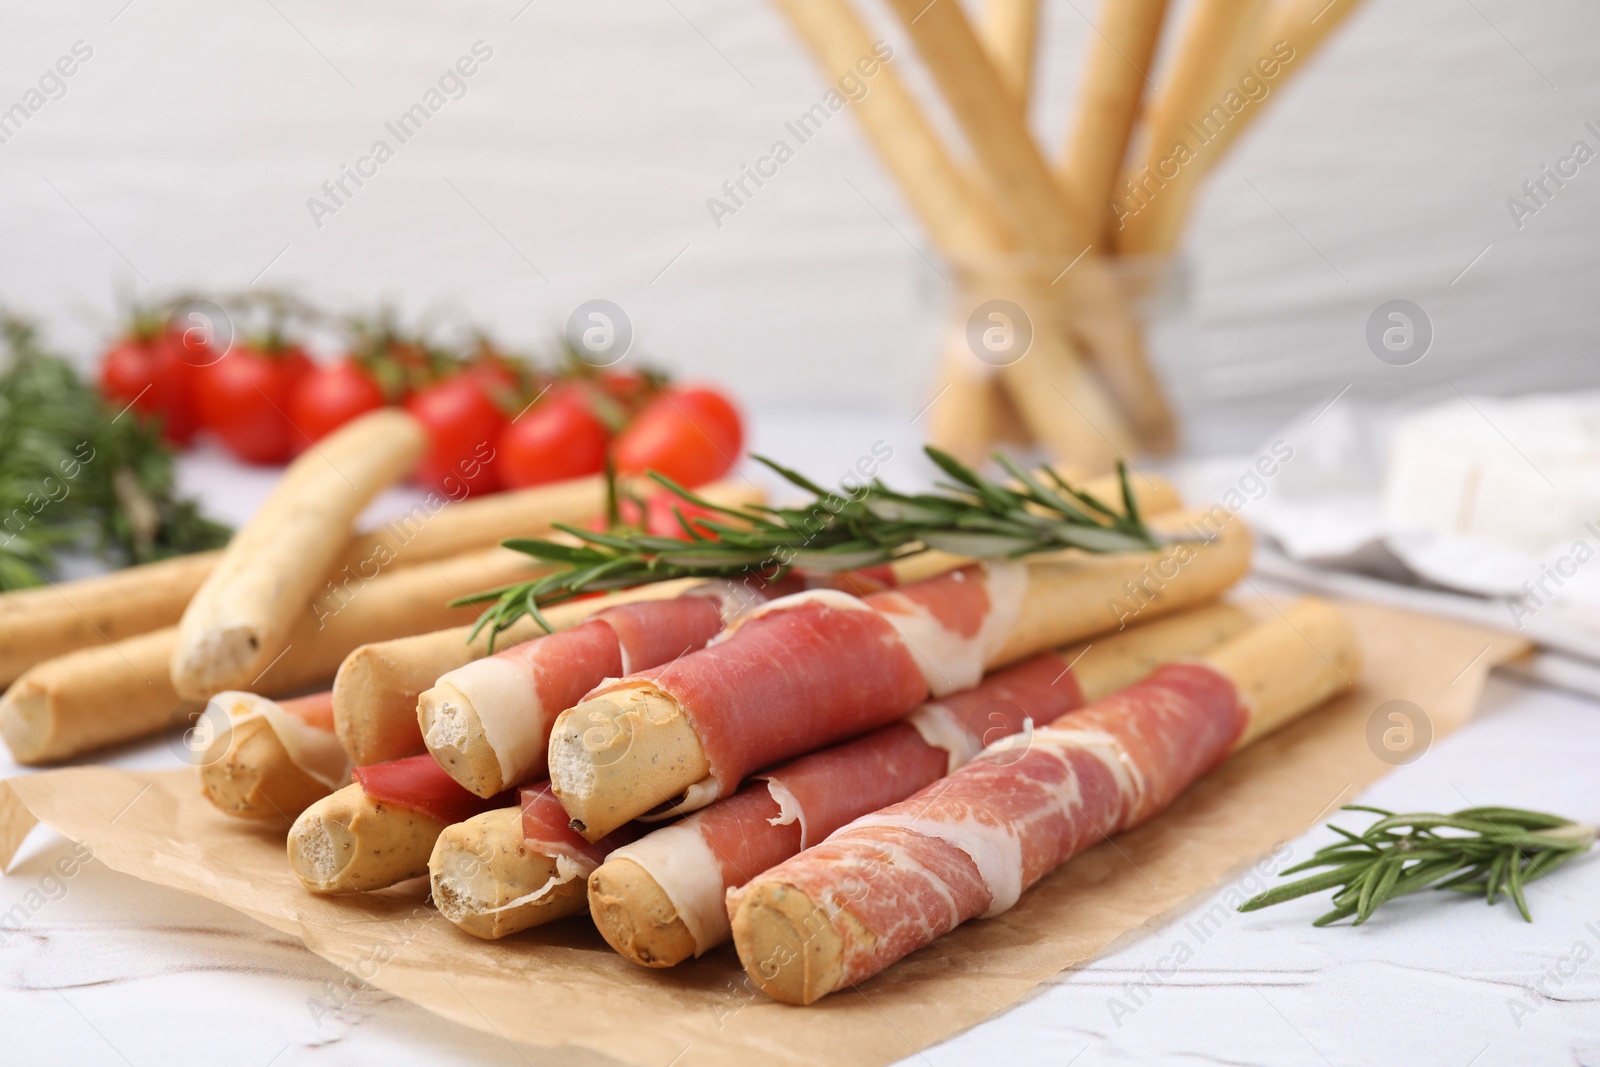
559,437
156,375
497,376
629,388
463,425
692,435
244,399
328,397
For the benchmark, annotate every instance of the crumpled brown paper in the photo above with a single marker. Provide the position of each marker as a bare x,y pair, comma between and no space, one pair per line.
560,986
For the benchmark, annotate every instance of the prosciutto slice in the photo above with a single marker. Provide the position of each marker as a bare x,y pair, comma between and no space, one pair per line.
419,784
315,710
807,670
970,844
799,804
545,827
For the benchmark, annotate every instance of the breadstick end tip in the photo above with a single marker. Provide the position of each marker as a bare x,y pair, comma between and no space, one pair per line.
617,756
215,660
454,735
25,722
254,777
787,944
635,915
486,880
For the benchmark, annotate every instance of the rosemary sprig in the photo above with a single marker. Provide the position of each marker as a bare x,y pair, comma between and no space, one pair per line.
968,515
1492,851
75,475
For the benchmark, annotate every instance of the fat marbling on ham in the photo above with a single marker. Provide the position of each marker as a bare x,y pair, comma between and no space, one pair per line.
970,844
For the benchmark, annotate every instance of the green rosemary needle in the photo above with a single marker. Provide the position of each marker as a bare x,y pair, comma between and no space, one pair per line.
968,515
1492,851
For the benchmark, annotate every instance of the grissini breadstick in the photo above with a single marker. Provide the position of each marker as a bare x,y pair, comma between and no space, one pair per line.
1214,36
660,899
512,868
1010,32
971,843
439,528
687,733
242,615
379,829
41,624
1302,25
1121,55
274,758
483,877
109,693
376,690
966,414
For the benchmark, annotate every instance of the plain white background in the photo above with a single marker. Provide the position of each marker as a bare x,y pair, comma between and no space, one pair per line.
579,162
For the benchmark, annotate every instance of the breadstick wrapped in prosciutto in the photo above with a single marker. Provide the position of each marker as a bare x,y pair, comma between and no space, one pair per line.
812,669
660,899
513,868
969,845
275,759
488,723
379,829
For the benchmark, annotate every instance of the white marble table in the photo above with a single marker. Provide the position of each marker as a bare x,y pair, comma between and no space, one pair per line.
106,969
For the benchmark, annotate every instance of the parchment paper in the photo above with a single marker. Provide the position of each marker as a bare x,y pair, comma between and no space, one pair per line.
560,986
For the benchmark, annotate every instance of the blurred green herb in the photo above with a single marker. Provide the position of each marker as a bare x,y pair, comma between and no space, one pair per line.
1489,851
76,474
968,516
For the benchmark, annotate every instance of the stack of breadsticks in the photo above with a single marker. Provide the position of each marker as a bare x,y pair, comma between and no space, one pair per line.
828,774
1050,260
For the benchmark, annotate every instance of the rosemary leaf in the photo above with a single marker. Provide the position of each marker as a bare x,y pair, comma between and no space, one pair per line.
1381,887
1514,887
1314,884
